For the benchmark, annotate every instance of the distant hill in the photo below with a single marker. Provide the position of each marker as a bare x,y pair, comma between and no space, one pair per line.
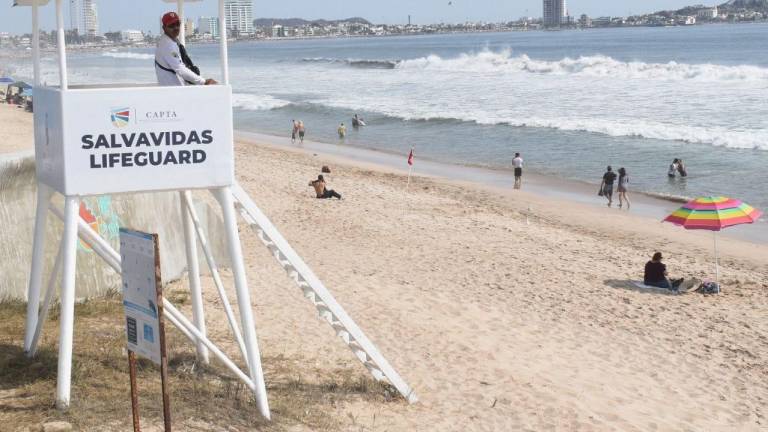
297,22
757,5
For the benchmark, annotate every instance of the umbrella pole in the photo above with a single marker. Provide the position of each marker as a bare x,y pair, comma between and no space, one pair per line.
717,267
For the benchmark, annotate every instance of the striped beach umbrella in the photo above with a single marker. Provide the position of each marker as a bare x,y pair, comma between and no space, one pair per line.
714,213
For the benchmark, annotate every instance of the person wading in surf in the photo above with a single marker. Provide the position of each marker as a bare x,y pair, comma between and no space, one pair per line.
173,66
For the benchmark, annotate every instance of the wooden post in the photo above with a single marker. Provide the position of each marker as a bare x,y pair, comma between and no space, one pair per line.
163,352
134,391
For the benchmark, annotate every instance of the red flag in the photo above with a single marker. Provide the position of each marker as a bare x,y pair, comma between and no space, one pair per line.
410,157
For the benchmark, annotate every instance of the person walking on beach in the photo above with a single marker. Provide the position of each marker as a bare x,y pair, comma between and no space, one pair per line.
321,191
173,67
517,163
301,131
622,188
673,168
606,187
294,131
342,131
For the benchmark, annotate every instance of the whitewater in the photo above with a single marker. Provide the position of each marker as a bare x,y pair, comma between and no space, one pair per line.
572,102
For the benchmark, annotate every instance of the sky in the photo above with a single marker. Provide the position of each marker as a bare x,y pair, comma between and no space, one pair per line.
145,14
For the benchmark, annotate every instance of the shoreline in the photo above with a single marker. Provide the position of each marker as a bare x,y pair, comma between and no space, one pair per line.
644,204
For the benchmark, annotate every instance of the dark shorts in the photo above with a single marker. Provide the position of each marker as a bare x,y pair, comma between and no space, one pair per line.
518,172
608,189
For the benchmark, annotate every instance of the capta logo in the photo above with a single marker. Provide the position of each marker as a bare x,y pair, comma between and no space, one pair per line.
121,117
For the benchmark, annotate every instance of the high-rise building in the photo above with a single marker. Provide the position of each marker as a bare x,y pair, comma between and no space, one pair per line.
74,15
208,25
555,13
238,15
84,17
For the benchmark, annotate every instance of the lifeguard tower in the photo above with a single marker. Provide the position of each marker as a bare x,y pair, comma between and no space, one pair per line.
117,139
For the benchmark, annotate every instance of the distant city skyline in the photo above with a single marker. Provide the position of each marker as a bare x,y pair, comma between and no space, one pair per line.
115,16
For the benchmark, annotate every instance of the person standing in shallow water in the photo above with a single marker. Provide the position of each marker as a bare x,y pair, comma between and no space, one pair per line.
517,163
622,189
294,131
301,131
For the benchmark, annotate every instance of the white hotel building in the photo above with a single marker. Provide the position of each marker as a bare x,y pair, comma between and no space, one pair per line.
238,15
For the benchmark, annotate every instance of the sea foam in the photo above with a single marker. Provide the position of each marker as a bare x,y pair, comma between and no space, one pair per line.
253,102
128,55
591,66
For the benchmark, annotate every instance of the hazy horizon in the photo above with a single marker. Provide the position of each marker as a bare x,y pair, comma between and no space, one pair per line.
122,16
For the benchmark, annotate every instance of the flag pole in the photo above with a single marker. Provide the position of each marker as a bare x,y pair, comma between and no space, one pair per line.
410,169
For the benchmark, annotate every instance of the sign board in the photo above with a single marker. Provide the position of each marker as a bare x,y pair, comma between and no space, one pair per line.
91,141
140,296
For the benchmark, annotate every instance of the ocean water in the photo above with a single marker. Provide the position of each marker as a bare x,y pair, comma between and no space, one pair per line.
571,102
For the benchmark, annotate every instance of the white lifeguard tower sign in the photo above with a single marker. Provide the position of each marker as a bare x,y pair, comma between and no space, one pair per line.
111,139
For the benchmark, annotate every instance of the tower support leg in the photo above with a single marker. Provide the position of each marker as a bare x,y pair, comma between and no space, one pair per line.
44,194
224,197
193,271
67,315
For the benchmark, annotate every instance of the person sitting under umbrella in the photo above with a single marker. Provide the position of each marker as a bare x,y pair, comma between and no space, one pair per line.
656,274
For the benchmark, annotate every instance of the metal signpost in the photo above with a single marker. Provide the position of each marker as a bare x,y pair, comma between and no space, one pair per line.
110,139
143,302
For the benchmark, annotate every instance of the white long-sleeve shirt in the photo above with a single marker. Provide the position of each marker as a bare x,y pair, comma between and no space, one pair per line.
167,55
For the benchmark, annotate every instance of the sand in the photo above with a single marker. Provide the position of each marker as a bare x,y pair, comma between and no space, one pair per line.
16,129
502,321
501,318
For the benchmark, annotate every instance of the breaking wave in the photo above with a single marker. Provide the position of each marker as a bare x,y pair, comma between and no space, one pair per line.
756,139
129,55
357,63
252,102
591,66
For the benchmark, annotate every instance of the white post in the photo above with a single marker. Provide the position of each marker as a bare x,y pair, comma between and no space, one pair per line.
61,48
67,315
224,197
36,42
410,170
44,194
717,265
223,44
193,271
182,29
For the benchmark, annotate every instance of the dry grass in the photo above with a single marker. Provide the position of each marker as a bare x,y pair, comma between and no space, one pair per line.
206,396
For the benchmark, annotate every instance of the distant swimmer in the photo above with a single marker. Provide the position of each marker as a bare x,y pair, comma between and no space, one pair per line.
517,163
342,131
173,67
673,168
357,121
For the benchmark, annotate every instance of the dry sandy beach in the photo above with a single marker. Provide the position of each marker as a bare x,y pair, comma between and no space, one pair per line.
502,318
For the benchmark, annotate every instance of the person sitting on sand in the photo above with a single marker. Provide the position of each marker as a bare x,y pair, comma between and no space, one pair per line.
320,189
656,274
607,186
